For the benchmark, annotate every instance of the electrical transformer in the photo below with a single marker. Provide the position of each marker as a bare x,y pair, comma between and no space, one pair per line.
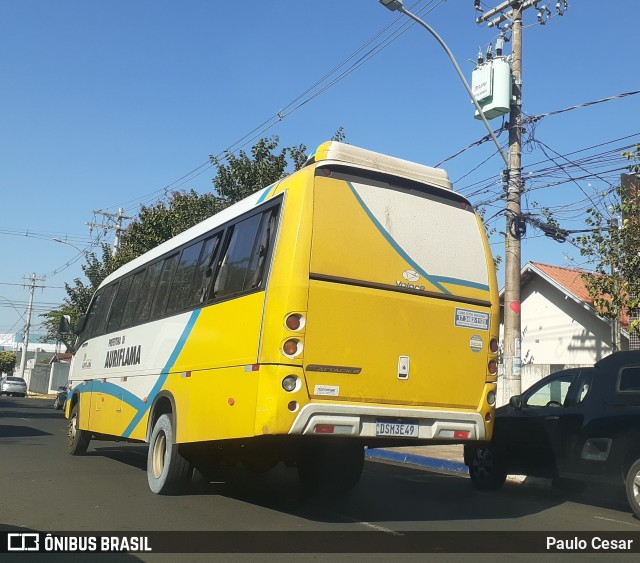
491,86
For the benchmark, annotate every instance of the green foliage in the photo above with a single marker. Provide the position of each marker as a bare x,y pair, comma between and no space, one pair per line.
243,174
79,295
614,251
7,362
238,178
163,220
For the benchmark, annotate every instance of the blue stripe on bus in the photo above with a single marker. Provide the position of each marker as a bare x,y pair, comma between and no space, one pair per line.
394,244
265,193
464,283
142,410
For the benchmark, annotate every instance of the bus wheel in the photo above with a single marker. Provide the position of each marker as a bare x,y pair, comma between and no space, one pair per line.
77,439
633,488
331,469
486,468
167,471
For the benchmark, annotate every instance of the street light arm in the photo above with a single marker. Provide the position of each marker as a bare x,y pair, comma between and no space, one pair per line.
396,5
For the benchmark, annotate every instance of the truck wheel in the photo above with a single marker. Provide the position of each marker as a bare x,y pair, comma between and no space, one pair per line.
487,467
633,488
330,469
167,471
77,439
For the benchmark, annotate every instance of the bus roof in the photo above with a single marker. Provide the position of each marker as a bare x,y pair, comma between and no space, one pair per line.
326,153
333,151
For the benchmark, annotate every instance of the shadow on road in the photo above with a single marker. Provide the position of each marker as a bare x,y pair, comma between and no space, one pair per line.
17,407
381,497
134,455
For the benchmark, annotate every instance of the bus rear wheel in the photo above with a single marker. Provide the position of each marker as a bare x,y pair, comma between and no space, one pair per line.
77,439
332,468
167,471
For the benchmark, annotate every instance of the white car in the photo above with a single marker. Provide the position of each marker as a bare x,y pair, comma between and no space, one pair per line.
15,386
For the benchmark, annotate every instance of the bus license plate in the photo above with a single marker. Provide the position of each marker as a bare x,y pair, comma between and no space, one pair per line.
398,428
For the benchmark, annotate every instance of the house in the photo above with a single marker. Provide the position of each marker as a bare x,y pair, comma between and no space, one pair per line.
560,326
559,322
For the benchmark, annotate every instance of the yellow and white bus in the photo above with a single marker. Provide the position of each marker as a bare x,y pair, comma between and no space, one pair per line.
352,304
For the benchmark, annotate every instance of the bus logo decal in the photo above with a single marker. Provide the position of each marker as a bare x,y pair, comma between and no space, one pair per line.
333,369
411,275
123,357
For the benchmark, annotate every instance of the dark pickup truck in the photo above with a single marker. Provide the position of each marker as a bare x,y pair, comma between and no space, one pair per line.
581,423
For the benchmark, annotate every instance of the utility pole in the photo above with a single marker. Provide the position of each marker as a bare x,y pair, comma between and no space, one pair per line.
511,11
118,218
25,341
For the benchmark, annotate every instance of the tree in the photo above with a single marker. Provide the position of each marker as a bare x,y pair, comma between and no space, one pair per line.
163,220
235,180
7,362
243,174
79,295
615,251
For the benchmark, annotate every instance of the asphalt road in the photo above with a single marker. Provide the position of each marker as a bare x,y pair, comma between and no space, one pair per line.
43,488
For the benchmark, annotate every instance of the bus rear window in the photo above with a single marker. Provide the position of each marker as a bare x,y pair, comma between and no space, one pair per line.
401,234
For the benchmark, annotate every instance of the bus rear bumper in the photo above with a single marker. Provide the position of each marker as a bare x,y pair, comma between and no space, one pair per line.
366,421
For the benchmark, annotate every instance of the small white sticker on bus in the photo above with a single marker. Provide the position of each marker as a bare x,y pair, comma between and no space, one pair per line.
472,319
329,390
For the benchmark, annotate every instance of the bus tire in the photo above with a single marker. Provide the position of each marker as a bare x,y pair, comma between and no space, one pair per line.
77,439
487,468
331,469
167,471
632,482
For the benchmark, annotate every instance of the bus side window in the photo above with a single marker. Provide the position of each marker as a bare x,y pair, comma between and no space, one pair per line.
149,285
261,250
164,285
91,314
101,311
132,301
233,268
182,286
204,270
119,304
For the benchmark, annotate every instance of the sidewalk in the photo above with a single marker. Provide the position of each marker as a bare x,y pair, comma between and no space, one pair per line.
447,458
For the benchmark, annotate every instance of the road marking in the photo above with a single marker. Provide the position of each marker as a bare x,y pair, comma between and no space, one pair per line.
381,529
617,521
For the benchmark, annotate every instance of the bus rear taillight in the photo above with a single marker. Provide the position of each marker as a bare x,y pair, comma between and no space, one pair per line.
294,321
493,345
292,347
492,366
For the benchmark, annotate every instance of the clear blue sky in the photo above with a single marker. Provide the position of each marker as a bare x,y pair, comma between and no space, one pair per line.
106,103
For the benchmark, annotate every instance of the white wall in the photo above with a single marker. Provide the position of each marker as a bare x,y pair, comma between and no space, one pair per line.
557,330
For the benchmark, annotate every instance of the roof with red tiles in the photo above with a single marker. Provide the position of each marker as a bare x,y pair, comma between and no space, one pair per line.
570,279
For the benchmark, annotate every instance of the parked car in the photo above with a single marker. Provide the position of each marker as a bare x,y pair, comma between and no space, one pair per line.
61,397
15,386
581,423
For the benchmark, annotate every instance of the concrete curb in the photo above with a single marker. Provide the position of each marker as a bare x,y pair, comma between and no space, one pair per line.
413,459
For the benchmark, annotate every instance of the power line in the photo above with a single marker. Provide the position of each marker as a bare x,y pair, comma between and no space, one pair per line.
536,118
306,96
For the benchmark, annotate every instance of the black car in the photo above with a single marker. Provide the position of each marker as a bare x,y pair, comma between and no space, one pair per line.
581,423
61,397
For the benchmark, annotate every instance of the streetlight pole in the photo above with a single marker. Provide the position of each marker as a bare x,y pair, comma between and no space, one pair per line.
396,5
